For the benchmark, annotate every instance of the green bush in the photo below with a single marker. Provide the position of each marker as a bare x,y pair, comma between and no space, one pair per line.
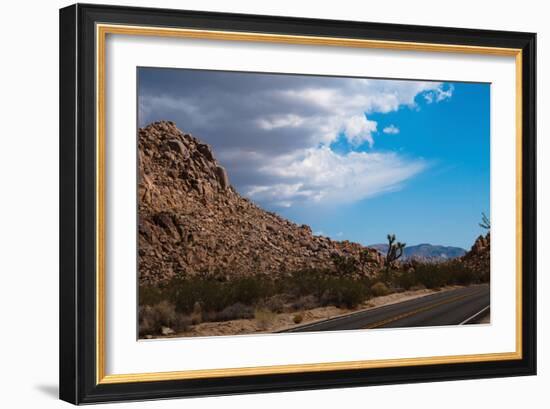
198,299
151,295
298,318
379,288
305,282
214,295
404,279
342,292
436,275
206,299
249,290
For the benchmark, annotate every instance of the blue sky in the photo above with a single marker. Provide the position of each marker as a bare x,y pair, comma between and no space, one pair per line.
353,158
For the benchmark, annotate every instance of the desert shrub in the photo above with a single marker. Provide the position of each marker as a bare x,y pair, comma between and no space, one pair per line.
204,298
185,293
196,315
182,323
298,318
214,295
234,312
152,318
249,290
326,288
264,318
150,295
379,288
275,303
404,279
465,276
147,322
305,302
431,275
342,292
344,265
418,287
305,282
436,275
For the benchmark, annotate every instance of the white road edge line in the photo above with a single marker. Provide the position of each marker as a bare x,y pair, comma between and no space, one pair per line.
474,316
350,314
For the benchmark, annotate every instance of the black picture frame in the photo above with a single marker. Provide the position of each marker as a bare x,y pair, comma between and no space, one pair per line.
78,309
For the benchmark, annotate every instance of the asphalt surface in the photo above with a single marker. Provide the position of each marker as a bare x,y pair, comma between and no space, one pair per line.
461,306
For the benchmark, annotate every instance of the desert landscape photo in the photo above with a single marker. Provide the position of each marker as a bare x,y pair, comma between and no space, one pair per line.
279,203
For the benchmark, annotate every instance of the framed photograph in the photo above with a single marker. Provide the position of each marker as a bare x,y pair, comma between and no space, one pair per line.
257,203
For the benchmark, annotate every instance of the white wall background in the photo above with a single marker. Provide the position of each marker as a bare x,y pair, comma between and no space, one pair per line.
29,203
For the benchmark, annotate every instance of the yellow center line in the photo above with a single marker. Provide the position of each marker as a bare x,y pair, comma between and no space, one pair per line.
417,311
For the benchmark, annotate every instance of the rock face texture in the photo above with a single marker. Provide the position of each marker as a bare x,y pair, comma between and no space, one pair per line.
193,222
479,256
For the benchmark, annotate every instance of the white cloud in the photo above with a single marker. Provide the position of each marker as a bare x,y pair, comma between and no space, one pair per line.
342,109
391,129
358,129
273,132
365,95
439,94
321,175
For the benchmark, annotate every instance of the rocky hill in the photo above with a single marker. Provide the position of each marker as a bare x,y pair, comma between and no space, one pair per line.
192,221
426,252
479,256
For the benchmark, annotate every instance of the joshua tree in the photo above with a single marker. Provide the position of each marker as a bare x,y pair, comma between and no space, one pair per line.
485,222
395,251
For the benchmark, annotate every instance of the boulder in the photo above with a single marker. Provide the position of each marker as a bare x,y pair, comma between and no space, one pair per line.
177,146
167,331
205,150
223,179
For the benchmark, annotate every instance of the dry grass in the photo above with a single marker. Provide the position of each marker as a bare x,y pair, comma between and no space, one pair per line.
196,315
264,318
162,314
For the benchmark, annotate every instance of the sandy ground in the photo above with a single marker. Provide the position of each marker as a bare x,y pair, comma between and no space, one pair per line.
277,322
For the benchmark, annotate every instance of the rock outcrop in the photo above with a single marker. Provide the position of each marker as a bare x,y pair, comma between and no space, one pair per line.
479,256
193,222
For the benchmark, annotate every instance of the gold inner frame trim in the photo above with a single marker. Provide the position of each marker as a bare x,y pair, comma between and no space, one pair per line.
101,32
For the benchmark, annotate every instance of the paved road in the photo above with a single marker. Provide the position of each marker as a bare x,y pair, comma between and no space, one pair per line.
460,306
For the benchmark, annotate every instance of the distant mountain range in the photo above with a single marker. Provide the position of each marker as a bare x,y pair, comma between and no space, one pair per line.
425,251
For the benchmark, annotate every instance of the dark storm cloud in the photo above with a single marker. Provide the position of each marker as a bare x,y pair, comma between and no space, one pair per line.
273,132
